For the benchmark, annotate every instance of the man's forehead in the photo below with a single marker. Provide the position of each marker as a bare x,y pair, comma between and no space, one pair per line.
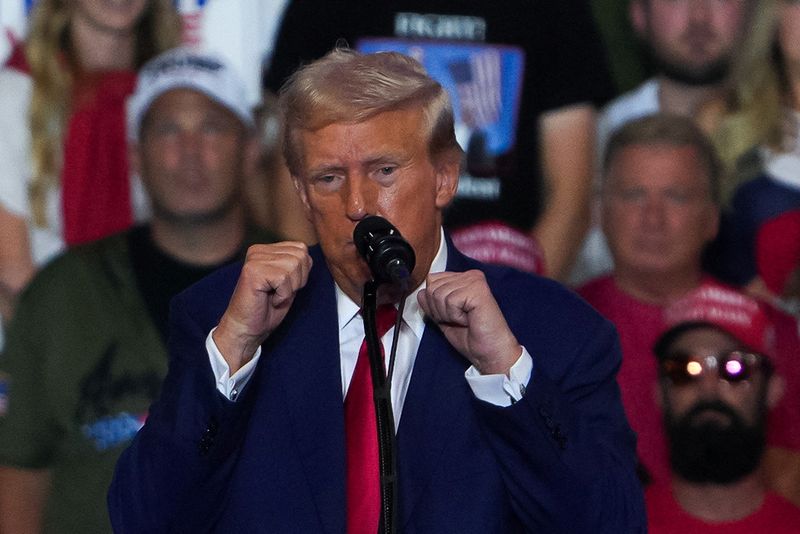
386,131
713,6
649,158
183,99
190,96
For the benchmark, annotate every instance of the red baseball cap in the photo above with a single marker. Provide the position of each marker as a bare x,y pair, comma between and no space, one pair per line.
723,308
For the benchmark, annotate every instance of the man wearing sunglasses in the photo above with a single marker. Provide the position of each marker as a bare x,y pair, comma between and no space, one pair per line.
716,386
661,204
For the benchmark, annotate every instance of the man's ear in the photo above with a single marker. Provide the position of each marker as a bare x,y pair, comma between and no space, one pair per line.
448,168
776,387
712,224
252,156
638,17
300,189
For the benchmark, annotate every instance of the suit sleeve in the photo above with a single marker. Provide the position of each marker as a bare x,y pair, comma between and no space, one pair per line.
173,476
566,451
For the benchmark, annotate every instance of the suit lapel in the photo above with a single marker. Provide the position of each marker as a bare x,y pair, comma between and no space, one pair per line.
311,374
309,364
431,409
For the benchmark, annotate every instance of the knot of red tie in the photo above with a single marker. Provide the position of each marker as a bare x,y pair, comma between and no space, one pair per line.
385,318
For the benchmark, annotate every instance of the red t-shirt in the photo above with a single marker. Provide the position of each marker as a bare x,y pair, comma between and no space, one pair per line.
665,516
639,324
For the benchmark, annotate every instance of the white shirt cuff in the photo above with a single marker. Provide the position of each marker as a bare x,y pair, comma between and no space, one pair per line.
502,390
229,386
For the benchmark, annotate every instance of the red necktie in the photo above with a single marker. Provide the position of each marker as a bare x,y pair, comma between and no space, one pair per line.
361,434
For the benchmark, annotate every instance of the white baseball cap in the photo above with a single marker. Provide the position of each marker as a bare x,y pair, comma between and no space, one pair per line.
189,69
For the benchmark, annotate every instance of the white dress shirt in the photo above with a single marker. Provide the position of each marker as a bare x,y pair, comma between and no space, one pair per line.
501,390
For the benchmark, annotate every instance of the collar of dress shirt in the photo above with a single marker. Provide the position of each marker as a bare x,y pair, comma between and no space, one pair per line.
347,310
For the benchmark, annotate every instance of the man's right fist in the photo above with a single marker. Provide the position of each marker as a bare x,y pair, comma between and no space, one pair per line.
271,276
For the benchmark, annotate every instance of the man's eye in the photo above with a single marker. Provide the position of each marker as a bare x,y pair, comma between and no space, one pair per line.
212,127
386,171
630,195
327,182
678,197
164,128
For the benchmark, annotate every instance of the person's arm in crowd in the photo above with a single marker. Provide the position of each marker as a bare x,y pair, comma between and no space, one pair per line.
567,154
23,493
16,264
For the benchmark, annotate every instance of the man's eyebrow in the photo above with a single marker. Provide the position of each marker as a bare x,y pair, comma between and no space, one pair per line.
378,160
326,168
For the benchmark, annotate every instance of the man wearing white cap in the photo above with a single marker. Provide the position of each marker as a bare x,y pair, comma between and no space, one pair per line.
86,352
716,387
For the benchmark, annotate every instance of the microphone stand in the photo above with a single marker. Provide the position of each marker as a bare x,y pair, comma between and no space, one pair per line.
382,395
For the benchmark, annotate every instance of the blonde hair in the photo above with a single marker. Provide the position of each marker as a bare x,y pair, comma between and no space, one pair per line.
755,93
48,53
347,86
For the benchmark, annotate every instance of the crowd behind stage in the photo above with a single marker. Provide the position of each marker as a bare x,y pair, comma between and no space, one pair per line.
644,153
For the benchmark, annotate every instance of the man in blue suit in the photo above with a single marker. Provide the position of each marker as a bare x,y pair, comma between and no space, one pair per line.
508,417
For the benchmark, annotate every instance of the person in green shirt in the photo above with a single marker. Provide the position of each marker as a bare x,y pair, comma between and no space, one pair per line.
85,353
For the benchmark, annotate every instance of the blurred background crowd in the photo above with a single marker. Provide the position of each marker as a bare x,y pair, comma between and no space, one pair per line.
644,152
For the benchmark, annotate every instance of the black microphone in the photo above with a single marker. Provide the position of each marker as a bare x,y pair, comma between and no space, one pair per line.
389,256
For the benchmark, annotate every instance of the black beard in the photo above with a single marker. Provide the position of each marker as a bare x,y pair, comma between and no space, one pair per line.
710,74
714,452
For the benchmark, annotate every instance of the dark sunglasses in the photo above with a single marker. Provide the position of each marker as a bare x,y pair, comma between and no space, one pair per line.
732,366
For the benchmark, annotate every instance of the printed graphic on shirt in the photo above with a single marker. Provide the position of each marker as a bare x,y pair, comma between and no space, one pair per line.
108,432
484,82
485,85
4,385
106,395
434,26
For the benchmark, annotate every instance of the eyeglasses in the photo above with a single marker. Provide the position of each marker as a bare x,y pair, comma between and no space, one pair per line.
732,366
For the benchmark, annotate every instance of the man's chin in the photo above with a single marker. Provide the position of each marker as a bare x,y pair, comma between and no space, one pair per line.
693,73
698,76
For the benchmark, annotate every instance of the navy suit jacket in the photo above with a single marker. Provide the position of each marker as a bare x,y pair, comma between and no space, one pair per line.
560,460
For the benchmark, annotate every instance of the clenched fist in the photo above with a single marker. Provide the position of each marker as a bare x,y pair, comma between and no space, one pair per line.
468,315
271,276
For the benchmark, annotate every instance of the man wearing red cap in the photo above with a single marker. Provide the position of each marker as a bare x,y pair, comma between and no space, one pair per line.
660,208
716,387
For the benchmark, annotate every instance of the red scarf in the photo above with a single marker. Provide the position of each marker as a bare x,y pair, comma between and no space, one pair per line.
95,184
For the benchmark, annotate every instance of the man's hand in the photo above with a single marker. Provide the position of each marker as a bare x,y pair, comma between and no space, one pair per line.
468,315
271,276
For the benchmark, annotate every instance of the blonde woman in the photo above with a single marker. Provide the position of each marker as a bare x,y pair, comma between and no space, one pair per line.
757,131
63,164
756,128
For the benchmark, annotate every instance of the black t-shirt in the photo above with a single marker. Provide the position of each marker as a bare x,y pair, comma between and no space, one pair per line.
160,276
547,54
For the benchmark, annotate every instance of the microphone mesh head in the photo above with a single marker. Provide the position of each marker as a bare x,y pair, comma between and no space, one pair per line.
388,255
369,228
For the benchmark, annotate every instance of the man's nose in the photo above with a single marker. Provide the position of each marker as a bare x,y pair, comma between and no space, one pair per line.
190,143
653,211
359,197
700,10
708,385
